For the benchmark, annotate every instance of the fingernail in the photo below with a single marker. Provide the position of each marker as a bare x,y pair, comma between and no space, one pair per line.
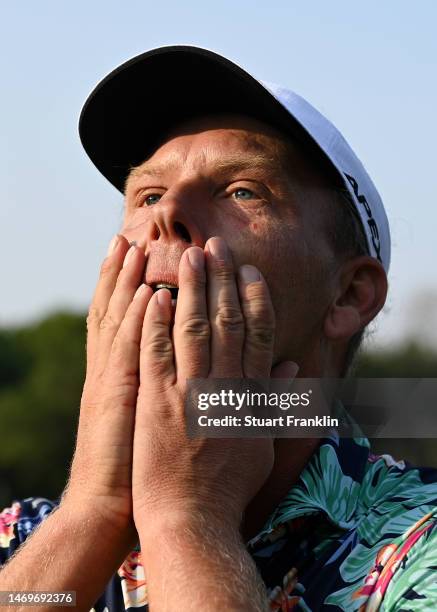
218,249
292,369
249,274
195,257
163,296
140,292
129,256
113,244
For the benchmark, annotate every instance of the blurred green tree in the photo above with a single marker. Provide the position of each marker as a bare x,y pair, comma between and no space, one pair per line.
410,360
407,361
43,367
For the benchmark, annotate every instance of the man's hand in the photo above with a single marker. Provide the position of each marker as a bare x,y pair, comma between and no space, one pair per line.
102,467
223,329
68,551
189,494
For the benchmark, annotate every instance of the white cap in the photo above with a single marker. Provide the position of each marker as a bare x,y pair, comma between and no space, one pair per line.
363,192
129,111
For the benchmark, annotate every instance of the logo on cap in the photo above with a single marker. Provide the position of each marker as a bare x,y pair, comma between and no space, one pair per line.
376,242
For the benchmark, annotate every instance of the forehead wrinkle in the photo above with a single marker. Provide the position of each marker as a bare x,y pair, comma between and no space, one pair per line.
237,163
223,165
260,153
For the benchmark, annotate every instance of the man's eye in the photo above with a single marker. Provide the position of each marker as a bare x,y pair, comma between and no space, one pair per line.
152,198
244,194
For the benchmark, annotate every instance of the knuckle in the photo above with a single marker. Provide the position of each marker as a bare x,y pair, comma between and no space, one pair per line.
124,358
109,322
197,327
223,271
159,345
121,371
93,318
260,325
258,307
260,314
119,393
229,319
261,335
257,294
127,384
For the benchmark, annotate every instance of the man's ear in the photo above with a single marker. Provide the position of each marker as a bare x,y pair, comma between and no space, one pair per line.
360,295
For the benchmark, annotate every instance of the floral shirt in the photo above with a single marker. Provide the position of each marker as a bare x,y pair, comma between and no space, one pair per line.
357,532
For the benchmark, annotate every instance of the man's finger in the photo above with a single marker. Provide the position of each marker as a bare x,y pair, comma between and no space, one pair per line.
127,283
259,320
157,355
109,272
114,405
191,331
225,316
123,361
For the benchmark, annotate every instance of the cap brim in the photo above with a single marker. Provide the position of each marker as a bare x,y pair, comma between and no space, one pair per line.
129,111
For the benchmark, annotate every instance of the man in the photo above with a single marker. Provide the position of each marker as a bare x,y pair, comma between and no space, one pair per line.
253,245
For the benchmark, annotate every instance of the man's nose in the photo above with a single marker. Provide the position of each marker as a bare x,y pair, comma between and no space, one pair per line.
171,223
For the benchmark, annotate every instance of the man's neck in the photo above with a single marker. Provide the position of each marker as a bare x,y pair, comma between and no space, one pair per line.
291,456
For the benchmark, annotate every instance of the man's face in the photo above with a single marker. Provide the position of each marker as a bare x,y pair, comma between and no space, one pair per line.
232,176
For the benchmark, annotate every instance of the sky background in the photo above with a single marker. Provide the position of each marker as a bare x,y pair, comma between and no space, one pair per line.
369,67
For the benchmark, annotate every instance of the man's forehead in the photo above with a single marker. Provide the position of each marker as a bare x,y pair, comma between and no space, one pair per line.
228,140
